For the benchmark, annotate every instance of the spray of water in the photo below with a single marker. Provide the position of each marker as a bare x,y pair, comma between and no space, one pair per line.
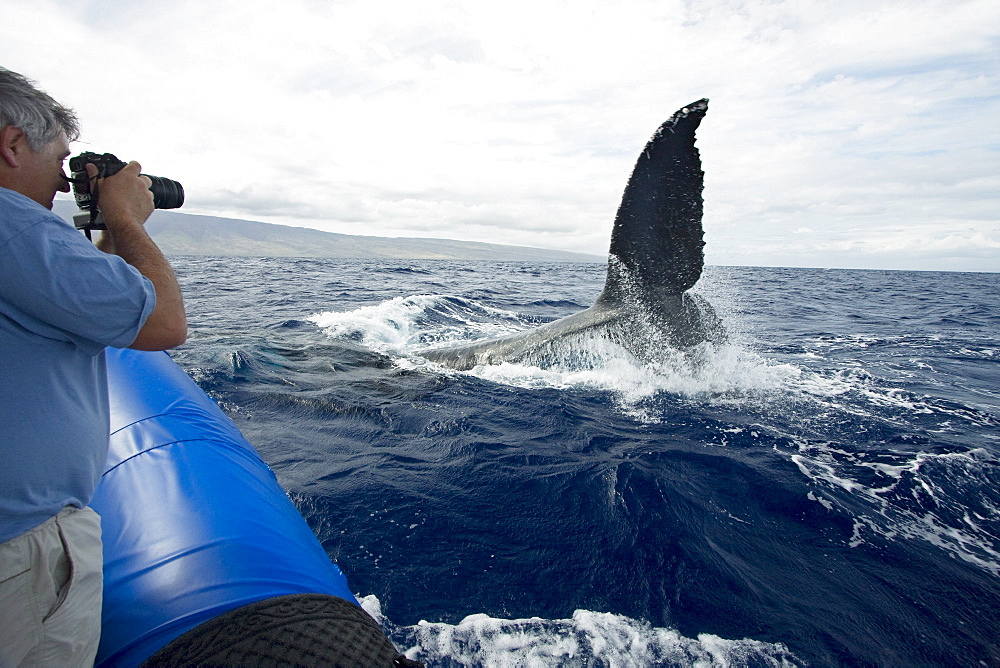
588,638
403,327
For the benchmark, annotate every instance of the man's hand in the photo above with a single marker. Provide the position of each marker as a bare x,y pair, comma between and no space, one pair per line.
126,203
124,199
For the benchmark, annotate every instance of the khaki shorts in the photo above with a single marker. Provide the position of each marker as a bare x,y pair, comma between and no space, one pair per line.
50,592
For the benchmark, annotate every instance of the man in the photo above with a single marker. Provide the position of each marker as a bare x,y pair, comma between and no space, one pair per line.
62,301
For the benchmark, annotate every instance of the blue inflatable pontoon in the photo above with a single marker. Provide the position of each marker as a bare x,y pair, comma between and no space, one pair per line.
195,524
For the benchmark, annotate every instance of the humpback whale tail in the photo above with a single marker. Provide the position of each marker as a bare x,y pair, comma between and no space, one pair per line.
656,256
657,234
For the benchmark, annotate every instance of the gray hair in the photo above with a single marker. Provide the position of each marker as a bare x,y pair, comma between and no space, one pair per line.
41,117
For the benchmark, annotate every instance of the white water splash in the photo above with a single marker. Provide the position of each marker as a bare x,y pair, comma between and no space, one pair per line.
400,325
729,373
406,326
589,638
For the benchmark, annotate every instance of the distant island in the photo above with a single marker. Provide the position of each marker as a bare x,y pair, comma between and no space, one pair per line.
188,234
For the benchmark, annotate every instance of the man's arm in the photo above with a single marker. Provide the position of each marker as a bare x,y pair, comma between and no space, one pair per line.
126,202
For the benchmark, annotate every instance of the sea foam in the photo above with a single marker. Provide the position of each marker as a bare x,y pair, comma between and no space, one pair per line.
588,638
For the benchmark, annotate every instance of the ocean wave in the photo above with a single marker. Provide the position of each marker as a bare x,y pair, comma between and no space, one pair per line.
400,325
588,638
948,500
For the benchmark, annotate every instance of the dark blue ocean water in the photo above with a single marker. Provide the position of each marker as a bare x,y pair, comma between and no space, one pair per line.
823,489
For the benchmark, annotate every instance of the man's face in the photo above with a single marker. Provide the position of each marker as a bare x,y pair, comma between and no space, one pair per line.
45,171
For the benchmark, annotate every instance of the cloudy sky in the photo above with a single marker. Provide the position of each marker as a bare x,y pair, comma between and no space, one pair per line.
856,133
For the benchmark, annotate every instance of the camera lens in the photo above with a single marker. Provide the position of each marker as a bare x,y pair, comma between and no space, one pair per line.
167,193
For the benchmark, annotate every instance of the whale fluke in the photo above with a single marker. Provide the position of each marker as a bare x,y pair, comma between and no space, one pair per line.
657,234
656,256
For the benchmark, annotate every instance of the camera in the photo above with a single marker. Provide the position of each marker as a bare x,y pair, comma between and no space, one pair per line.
167,194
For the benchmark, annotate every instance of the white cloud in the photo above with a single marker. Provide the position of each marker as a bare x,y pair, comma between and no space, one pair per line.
520,122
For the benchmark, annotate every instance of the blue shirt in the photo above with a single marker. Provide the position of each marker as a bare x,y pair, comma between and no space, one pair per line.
62,302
